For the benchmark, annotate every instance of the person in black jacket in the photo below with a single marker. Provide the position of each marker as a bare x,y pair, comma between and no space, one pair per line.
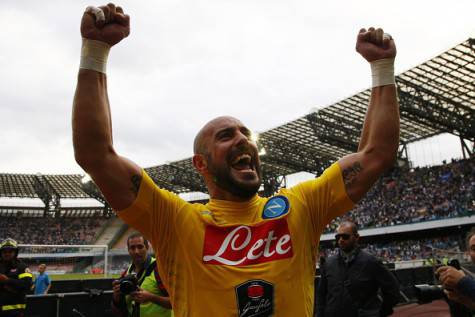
15,280
350,281
458,285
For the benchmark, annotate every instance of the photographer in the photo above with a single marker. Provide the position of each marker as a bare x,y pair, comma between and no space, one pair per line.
458,286
139,291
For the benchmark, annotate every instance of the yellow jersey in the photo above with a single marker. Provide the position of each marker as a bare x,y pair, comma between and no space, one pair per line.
255,258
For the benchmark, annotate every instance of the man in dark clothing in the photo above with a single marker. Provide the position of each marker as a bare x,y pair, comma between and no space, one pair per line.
459,285
351,279
15,280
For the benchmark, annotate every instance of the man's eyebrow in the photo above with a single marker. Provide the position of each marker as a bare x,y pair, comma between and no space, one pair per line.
224,130
245,131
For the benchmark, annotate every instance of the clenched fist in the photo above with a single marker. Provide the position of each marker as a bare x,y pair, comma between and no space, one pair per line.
107,24
374,44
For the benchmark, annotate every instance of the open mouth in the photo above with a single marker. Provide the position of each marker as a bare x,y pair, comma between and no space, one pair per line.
243,163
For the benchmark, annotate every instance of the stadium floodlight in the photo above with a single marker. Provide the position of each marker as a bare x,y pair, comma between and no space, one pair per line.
254,136
86,179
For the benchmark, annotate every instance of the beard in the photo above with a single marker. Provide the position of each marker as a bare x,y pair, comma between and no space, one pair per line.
223,177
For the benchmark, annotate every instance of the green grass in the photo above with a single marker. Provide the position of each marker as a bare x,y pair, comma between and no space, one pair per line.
80,276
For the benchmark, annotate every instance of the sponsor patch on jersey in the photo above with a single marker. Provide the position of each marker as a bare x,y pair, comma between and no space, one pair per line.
247,245
255,298
275,207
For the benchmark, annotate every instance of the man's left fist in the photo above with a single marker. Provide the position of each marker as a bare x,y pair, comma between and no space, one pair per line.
374,44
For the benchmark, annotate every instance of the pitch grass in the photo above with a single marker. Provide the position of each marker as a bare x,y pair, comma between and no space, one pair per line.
81,276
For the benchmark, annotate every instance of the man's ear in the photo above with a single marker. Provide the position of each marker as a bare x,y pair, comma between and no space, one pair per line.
200,163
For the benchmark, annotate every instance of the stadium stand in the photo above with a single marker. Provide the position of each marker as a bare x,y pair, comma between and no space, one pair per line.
17,185
122,242
436,97
68,186
414,195
408,250
45,230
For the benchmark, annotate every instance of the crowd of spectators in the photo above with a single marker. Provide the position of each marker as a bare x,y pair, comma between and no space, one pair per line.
408,250
48,230
420,194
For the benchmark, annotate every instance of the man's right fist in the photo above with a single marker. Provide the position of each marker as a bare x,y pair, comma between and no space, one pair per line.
107,24
374,44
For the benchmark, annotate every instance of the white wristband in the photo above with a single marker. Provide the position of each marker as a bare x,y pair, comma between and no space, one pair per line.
382,72
94,55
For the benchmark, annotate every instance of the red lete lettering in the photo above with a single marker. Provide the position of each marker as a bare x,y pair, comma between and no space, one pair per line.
247,245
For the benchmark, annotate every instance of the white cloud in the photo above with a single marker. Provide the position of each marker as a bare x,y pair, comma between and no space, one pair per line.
266,62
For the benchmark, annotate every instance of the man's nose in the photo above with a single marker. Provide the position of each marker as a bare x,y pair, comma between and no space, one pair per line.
241,138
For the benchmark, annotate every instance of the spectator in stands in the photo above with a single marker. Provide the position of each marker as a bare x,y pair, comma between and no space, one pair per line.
56,230
15,280
422,194
42,281
460,287
351,279
151,298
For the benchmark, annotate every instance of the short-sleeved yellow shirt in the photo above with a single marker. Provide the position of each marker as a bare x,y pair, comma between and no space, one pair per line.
254,258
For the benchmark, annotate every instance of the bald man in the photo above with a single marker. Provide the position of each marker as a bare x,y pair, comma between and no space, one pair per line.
239,254
351,281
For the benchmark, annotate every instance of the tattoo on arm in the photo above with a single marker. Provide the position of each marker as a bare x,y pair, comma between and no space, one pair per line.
350,174
135,180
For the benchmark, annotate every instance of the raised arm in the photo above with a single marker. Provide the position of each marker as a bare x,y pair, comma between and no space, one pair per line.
379,141
117,177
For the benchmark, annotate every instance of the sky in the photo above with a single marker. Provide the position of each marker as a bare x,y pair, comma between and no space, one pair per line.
185,62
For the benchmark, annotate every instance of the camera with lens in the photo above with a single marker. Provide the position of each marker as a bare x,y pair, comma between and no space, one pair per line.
427,293
128,284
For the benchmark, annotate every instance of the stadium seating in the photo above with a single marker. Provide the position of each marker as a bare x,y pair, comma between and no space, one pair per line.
45,230
415,195
408,250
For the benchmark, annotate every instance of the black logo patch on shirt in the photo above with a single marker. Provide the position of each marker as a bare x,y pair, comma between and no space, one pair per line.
255,298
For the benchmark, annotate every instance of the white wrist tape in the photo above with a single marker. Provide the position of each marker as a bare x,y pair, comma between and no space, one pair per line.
382,72
94,55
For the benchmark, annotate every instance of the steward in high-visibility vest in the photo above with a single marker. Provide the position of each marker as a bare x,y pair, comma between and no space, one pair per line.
15,280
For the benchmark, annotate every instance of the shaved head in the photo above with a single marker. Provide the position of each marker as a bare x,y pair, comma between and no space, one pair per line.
350,224
227,158
200,144
347,236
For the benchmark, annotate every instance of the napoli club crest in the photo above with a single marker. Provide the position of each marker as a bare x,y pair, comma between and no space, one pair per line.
275,207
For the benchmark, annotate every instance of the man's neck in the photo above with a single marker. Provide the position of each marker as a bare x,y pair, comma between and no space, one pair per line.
349,255
216,192
138,267
221,194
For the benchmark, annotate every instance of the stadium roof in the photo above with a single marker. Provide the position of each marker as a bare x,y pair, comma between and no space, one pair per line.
33,186
435,97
